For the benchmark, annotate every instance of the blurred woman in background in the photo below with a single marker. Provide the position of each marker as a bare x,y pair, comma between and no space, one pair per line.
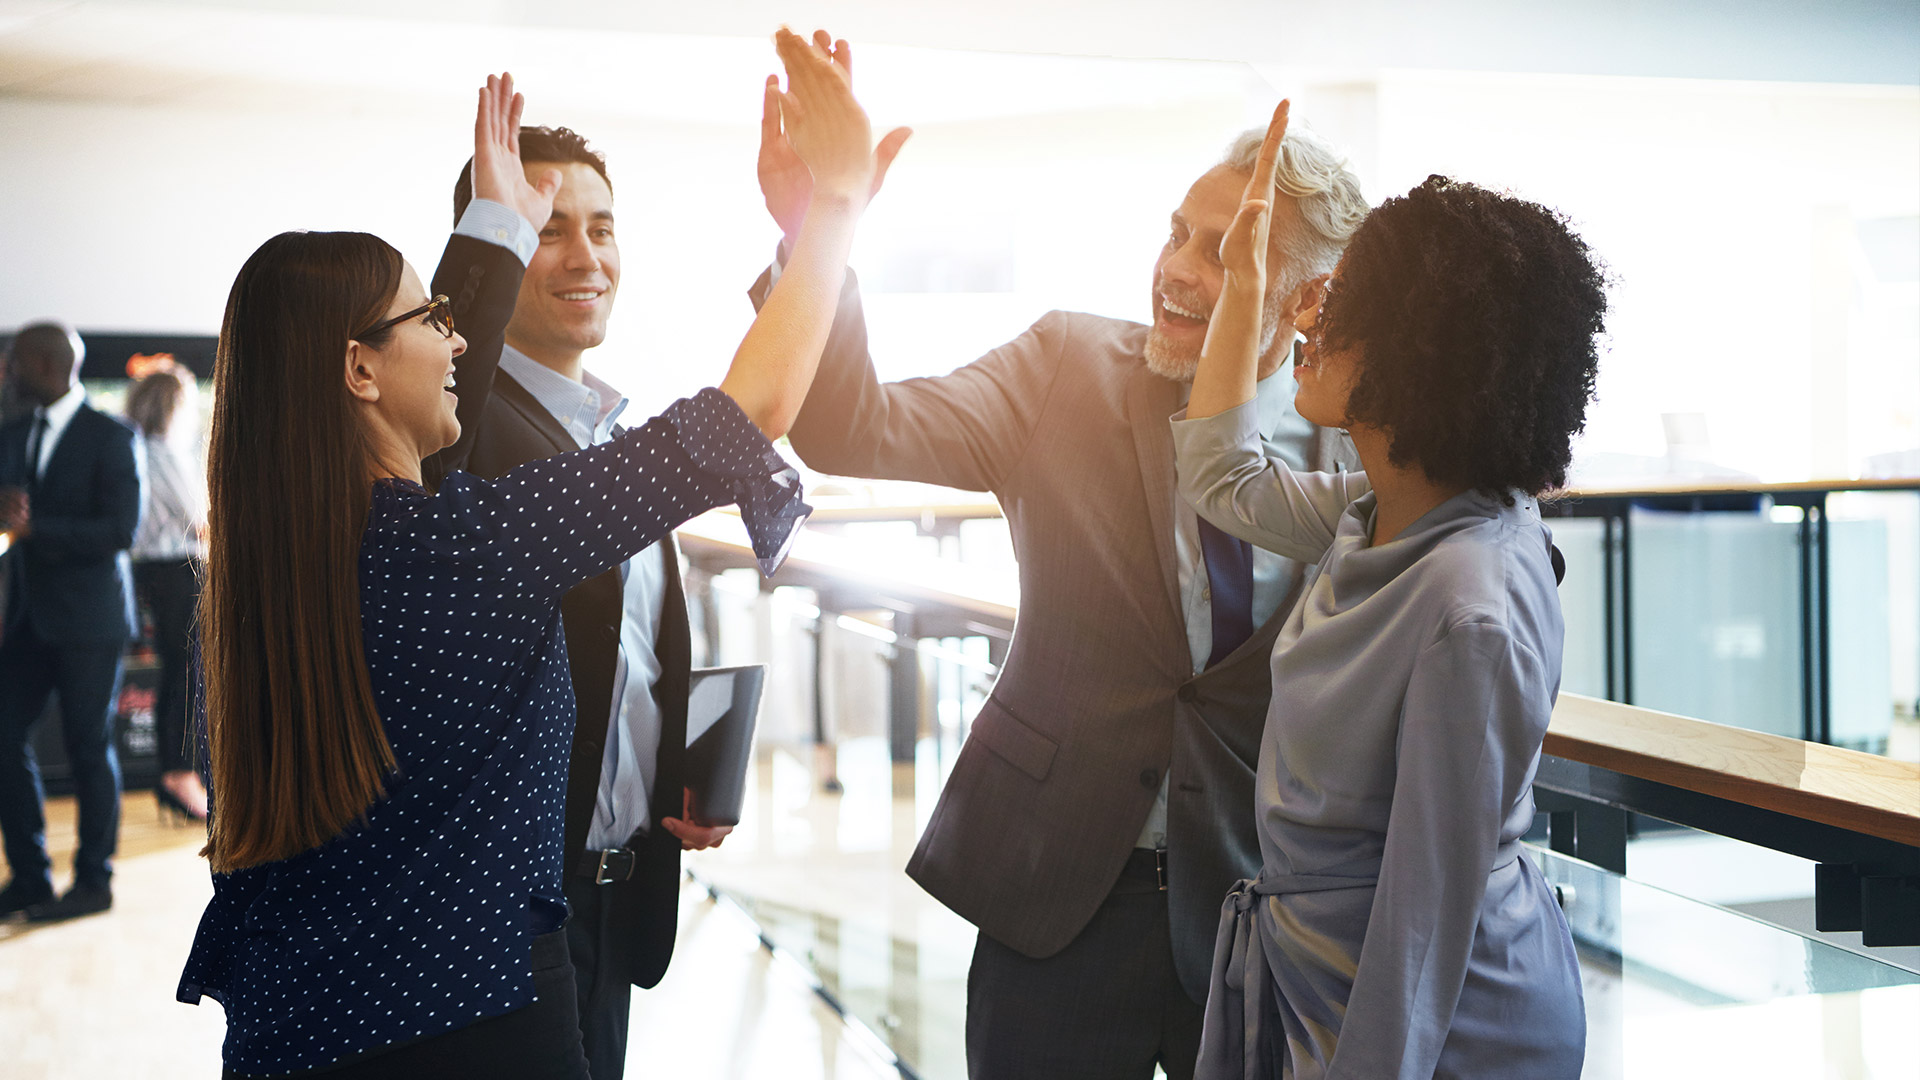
168,552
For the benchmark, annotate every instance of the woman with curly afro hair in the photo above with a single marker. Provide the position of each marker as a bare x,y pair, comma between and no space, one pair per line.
1397,928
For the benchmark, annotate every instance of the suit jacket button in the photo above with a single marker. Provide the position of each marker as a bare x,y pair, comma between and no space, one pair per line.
1187,693
1149,778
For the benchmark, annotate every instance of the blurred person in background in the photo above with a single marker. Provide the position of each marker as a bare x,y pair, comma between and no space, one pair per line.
70,495
168,550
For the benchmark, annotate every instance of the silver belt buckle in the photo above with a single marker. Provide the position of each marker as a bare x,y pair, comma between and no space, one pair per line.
1160,867
600,872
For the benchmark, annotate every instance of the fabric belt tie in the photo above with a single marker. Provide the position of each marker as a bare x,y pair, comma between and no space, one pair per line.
1240,969
1230,585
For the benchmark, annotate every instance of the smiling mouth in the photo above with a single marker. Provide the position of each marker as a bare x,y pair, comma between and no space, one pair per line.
1175,315
580,295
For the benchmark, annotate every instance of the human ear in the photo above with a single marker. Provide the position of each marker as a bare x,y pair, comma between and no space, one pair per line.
361,381
1303,299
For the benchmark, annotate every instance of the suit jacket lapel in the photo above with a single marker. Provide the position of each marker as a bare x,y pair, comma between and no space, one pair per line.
64,450
509,390
1151,402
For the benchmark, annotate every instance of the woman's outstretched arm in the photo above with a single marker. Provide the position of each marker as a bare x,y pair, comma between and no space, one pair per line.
829,131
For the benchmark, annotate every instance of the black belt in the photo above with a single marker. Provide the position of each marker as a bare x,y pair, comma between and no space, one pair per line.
1149,864
606,866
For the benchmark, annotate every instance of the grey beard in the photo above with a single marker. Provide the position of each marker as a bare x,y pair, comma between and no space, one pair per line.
1178,365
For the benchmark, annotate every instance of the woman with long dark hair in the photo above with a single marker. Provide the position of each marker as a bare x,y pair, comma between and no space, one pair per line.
387,696
167,553
1397,928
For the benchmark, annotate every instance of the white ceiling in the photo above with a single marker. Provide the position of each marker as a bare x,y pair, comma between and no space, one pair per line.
697,62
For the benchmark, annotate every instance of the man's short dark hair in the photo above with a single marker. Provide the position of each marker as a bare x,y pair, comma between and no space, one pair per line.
548,146
1476,316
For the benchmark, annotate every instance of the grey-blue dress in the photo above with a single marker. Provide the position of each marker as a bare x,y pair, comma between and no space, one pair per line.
1396,928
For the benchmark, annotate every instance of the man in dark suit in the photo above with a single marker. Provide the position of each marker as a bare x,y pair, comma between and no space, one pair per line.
626,631
70,497
1102,805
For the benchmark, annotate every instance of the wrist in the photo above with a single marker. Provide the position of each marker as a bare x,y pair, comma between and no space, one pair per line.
836,199
1244,286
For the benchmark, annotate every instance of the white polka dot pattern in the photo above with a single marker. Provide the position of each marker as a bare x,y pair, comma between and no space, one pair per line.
419,921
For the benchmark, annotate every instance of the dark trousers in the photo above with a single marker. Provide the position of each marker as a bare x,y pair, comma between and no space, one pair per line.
538,1042
1107,1007
172,592
605,994
86,677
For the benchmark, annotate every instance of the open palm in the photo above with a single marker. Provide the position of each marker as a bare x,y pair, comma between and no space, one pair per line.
1243,251
497,173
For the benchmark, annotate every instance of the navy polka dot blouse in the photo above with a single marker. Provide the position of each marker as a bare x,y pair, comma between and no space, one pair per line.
419,922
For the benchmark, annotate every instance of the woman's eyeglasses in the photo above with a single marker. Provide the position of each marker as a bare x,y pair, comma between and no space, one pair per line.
439,313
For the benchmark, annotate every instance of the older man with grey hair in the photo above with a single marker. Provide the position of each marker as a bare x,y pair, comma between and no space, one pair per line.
1103,804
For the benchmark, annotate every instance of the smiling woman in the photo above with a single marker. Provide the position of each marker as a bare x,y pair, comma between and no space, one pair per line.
389,707
392,371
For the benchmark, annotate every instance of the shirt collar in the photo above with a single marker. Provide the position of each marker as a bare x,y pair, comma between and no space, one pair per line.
589,403
59,414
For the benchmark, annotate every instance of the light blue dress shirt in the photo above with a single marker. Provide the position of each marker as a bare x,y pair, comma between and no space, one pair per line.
588,410
1286,435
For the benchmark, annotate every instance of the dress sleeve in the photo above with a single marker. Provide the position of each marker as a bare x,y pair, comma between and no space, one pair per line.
1476,710
1232,482
558,521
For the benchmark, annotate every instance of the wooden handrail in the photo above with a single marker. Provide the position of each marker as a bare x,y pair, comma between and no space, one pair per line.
905,577
1862,793
1847,789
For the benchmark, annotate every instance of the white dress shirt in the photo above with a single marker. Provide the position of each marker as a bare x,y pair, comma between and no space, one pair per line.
58,416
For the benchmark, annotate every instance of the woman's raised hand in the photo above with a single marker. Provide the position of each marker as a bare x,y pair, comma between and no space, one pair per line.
825,125
497,172
1243,251
1227,375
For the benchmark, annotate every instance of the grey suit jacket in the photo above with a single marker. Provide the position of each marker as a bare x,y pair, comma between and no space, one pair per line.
1097,699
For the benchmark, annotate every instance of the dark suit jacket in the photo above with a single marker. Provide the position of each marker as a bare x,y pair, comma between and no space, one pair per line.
503,426
70,578
1097,701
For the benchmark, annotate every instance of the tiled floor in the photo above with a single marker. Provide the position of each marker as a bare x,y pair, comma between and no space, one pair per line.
823,875
93,999
1699,992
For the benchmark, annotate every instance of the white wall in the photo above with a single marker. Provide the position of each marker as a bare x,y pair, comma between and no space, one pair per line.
1728,211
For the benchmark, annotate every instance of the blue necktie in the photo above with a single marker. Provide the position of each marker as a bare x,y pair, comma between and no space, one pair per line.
1230,575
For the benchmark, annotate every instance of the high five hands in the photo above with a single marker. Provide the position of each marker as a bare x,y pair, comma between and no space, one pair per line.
497,172
786,180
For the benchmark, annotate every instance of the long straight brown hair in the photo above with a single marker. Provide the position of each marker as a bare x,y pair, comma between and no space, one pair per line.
297,748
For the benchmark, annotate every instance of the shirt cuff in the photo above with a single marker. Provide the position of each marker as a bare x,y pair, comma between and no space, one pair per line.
498,223
723,443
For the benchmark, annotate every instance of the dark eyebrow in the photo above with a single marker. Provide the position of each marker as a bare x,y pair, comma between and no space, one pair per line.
597,215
